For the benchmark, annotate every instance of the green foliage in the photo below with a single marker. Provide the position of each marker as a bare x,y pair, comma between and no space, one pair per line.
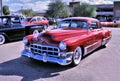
58,9
85,10
28,12
6,10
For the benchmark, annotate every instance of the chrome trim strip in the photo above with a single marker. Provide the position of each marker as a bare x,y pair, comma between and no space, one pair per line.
85,51
107,38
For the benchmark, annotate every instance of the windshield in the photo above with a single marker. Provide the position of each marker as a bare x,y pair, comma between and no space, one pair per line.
73,24
26,19
9,20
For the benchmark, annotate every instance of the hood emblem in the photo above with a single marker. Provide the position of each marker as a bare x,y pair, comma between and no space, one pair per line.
43,41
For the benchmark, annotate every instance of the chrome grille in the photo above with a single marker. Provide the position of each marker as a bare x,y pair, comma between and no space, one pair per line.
45,49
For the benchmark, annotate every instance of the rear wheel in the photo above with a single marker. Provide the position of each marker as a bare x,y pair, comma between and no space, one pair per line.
2,39
77,56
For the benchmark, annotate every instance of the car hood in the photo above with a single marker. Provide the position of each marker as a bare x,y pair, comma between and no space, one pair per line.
66,34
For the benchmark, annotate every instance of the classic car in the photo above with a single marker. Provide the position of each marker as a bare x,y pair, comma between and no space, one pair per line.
74,38
37,20
12,29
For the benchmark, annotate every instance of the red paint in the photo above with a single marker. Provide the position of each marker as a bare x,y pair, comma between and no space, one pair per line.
41,21
75,37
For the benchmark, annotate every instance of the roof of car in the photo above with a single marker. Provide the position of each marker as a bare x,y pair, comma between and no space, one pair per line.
9,16
38,17
83,18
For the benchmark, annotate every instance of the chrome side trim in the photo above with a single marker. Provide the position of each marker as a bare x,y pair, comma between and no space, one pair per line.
107,38
94,44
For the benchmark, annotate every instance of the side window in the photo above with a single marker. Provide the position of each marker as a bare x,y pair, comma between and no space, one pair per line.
94,25
44,19
33,20
15,20
38,19
99,25
74,25
63,24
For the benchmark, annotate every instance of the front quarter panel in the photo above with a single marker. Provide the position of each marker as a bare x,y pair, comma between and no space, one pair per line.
83,41
106,33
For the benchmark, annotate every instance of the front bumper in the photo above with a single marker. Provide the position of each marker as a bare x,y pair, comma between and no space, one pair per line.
64,60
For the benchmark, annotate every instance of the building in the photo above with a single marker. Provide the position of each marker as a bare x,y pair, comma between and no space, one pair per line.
116,9
105,12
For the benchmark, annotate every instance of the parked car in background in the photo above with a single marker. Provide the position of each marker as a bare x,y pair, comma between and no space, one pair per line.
37,20
116,20
12,29
74,38
52,21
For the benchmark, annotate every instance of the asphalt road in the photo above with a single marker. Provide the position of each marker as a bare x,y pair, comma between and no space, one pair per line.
102,65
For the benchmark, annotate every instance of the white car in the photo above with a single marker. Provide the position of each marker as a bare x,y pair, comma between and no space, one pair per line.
116,20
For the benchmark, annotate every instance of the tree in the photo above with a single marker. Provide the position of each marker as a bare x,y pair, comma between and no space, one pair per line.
85,10
6,10
58,9
27,12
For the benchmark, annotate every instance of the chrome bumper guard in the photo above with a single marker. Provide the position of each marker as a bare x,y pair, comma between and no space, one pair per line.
42,53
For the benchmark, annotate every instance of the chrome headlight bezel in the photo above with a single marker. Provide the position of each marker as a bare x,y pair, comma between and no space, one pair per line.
62,45
25,40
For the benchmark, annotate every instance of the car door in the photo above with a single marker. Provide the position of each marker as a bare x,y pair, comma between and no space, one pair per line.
94,38
97,34
19,31
39,21
14,33
33,21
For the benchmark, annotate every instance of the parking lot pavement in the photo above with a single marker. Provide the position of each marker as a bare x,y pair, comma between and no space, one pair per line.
102,65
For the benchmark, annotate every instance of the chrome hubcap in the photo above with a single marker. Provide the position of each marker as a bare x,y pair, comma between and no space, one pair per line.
1,39
77,55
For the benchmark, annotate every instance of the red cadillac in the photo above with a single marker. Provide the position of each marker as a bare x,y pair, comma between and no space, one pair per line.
36,20
74,38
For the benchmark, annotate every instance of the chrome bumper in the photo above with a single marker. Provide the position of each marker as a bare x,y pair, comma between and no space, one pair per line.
64,59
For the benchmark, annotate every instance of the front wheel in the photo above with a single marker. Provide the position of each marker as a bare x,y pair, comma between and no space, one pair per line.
2,39
77,56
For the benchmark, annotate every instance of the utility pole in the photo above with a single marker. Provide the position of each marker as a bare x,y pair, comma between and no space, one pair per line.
1,7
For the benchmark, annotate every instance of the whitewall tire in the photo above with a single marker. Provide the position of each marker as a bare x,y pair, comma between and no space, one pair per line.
2,39
77,56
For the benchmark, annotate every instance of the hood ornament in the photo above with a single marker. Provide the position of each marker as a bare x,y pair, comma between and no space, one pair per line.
43,41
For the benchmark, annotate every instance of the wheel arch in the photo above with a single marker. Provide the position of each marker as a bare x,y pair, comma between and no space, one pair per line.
6,36
82,49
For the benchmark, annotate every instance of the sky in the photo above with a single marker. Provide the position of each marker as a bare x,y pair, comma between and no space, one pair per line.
36,5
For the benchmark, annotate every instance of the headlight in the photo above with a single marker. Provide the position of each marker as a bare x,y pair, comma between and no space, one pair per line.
25,40
62,45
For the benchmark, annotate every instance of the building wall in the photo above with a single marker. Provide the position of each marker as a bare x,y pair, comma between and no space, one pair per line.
116,9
